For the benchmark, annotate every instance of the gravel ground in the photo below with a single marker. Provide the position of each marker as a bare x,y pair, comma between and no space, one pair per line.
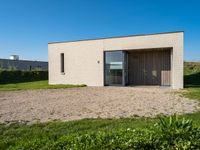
91,102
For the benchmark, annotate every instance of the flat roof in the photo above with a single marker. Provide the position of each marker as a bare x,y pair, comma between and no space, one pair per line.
115,37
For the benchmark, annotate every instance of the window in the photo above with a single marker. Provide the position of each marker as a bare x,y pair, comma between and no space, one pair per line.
113,67
62,66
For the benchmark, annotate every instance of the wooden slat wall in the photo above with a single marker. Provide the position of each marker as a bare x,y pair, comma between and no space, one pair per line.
166,69
152,67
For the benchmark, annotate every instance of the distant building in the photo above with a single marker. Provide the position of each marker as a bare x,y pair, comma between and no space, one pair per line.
14,57
27,65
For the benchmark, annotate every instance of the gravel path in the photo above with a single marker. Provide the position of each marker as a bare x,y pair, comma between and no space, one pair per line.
91,102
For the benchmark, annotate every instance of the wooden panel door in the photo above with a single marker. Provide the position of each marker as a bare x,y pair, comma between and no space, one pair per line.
136,69
149,67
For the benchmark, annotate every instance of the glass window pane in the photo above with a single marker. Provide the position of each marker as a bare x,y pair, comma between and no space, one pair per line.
116,65
115,56
113,67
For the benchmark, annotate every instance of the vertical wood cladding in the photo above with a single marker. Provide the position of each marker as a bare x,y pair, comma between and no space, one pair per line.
150,67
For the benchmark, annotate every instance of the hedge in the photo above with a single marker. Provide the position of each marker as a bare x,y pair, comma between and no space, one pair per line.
22,76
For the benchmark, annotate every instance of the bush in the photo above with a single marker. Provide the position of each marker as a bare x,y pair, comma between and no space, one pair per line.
168,133
191,68
175,133
22,76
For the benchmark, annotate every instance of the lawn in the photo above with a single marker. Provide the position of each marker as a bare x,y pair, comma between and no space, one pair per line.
110,132
17,133
34,85
192,93
24,136
192,86
192,80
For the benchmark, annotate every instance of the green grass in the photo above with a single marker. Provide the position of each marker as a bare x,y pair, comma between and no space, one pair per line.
192,87
192,80
192,93
71,127
17,133
33,85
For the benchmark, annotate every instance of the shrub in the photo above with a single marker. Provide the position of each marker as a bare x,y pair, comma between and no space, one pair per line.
191,74
16,76
175,133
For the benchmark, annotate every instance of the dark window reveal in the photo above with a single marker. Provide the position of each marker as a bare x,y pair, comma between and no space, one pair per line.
62,63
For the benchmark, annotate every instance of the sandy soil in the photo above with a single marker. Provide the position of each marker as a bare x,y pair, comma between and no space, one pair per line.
91,102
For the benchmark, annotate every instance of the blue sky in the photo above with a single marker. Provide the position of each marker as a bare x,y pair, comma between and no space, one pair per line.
26,26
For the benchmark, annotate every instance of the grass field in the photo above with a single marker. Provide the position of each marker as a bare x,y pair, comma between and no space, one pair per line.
20,133
33,85
192,80
17,133
192,86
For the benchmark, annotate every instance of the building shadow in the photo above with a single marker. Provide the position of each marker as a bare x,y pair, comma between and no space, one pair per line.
192,80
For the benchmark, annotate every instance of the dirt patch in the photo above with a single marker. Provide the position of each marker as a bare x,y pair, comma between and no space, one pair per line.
91,102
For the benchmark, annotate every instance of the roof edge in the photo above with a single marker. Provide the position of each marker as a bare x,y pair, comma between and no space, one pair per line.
116,37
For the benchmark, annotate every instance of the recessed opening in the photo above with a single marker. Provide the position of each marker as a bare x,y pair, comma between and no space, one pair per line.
138,67
62,61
